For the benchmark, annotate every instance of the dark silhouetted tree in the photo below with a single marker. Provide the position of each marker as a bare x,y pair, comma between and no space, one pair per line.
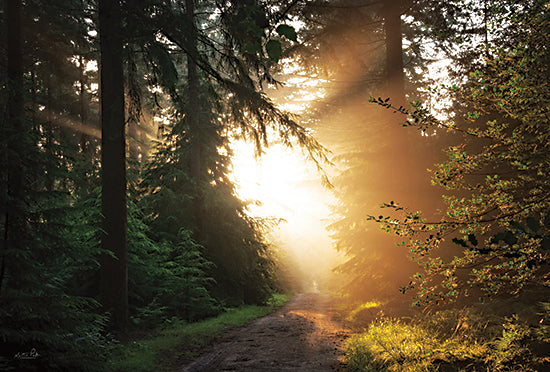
114,260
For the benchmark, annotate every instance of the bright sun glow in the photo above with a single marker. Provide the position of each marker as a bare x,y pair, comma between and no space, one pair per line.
283,184
282,181
276,180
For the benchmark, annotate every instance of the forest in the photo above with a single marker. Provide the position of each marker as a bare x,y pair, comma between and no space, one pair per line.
133,136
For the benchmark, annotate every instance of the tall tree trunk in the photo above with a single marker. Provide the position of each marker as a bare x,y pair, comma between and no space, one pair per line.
49,130
114,270
395,77
34,103
83,103
194,119
134,109
133,139
85,148
401,165
13,217
408,177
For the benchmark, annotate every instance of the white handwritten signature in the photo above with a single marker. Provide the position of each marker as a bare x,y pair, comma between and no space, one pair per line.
33,354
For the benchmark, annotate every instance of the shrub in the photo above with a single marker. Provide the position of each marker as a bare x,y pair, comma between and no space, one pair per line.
462,339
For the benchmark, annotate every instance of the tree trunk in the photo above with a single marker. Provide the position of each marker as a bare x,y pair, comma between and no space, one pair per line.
84,146
402,165
84,140
114,270
13,216
134,109
194,119
49,130
395,77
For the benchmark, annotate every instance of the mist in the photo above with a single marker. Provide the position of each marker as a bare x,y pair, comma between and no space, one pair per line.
283,186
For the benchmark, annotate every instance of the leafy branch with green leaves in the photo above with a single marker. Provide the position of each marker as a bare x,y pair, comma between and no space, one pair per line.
496,180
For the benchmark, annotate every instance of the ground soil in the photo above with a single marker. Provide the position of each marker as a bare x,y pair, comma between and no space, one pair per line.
304,335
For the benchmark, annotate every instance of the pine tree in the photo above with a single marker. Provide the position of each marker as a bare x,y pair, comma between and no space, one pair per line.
190,169
114,262
357,49
40,318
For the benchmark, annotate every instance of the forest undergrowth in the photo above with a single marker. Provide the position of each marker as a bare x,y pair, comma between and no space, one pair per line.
510,334
176,341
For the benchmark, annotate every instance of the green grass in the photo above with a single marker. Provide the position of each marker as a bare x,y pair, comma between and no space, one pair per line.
364,313
183,340
387,344
466,339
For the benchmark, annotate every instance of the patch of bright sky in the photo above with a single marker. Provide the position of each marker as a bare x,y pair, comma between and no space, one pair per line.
276,180
285,185
91,65
305,89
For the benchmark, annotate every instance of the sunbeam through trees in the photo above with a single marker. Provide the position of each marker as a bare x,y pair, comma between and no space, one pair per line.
172,169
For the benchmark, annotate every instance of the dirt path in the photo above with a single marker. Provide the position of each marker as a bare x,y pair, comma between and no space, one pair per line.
301,336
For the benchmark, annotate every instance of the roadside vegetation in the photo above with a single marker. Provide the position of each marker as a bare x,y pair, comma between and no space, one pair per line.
506,335
178,341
